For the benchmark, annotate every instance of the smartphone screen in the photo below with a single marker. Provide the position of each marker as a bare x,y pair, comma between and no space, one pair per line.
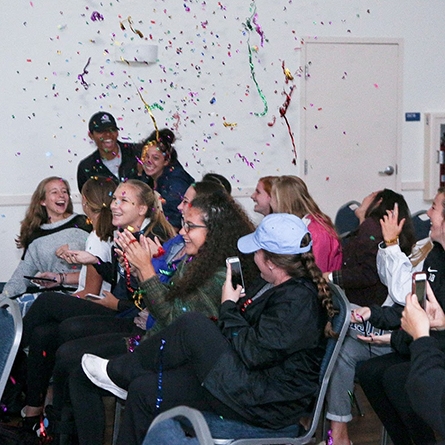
237,274
419,286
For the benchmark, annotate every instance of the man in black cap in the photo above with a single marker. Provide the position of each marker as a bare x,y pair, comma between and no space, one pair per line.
113,159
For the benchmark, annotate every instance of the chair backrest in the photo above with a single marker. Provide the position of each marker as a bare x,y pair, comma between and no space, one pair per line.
422,224
345,219
340,325
11,327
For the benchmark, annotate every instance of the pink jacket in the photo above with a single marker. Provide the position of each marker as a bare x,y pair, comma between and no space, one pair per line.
325,246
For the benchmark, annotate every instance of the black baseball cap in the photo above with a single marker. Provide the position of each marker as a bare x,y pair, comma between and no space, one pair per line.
101,121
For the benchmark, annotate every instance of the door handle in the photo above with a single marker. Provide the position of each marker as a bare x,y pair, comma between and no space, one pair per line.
388,171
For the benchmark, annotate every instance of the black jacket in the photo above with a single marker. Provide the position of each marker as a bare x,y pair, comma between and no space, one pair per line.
389,317
92,165
358,275
271,374
426,383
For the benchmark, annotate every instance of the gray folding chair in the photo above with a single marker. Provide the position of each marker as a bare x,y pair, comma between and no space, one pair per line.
345,219
225,432
11,327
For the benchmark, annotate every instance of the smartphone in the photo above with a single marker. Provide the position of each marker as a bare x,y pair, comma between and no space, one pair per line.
419,286
237,273
28,277
95,297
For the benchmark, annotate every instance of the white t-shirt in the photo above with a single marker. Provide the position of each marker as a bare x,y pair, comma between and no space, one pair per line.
101,249
114,164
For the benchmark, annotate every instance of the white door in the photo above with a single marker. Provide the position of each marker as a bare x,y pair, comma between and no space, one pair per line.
351,120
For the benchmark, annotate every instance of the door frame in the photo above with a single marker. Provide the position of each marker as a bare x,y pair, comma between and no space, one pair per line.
303,98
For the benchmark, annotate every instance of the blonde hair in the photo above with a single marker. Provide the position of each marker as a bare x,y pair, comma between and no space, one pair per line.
146,196
36,215
292,196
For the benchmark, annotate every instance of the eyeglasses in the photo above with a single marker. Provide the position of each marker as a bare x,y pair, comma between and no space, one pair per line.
189,226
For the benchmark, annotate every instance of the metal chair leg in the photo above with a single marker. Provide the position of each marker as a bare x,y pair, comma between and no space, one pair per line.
120,405
384,440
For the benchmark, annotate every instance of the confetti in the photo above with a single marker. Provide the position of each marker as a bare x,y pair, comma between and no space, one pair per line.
85,72
248,27
96,16
130,23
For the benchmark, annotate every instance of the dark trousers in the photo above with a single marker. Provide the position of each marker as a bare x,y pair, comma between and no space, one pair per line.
48,322
42,335
156,379
383,381
69,354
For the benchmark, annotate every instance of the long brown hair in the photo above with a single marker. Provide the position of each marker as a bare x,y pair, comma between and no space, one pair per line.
226,222
384,201
98,192
146,196
303,266
36,214
292,196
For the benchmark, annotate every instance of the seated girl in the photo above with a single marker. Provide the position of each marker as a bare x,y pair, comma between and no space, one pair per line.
96,198
212,226
49,224
132,205
358,274
383,378
259,364
354,349
290,195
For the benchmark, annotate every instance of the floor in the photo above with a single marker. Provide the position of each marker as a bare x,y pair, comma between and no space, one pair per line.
364,430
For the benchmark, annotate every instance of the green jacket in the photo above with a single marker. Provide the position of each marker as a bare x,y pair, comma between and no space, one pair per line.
205,299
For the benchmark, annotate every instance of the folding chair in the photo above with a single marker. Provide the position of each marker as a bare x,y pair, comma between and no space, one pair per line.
11,327
345,219
422,224
225,432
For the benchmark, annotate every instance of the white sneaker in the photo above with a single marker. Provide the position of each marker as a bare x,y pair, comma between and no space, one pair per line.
96,370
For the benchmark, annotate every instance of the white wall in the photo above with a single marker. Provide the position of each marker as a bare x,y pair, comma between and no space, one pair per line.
202,54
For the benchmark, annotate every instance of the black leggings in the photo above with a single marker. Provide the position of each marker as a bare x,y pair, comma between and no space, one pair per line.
46,324
191,347
383,381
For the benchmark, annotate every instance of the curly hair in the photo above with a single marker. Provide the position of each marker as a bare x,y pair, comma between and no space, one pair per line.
303,266
98,192
384,201
163,140
36,214
146,196
226,222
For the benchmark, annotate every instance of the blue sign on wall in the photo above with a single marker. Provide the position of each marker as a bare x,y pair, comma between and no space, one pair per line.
411,117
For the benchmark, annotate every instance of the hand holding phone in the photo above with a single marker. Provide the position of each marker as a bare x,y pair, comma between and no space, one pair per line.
94,297
237,273
28,277
419,287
